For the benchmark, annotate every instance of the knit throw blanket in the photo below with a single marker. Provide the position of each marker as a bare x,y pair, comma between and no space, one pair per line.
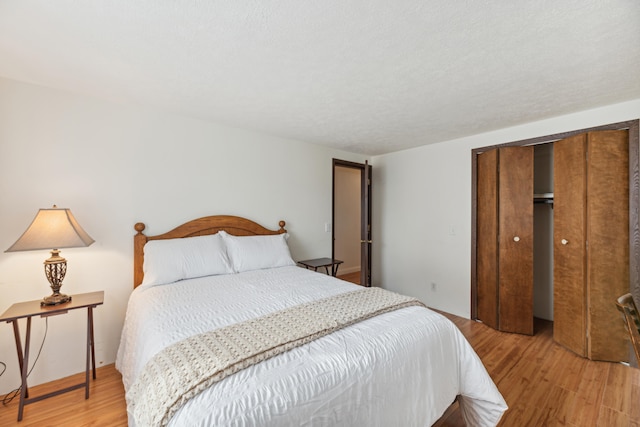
184,369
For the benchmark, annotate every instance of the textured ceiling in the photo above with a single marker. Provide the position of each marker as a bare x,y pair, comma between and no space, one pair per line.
366,76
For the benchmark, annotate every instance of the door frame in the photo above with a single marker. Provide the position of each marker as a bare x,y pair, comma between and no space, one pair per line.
365,213
633,126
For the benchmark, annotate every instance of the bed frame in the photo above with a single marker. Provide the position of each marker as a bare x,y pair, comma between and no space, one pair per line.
233,225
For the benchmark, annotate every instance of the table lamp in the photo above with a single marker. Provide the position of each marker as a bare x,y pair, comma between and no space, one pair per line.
53,228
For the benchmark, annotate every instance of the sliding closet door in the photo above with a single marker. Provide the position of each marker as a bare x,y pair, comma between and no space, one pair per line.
505,239
569,225
608,242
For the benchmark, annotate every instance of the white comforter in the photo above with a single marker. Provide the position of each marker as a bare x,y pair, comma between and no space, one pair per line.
402,368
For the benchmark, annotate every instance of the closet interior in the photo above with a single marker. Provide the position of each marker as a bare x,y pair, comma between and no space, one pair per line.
543,231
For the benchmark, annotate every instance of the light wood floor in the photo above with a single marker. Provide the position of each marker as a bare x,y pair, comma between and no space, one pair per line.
547,385
543,384
105,406
351,277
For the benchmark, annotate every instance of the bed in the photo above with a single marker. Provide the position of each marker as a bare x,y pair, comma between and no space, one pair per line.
399,366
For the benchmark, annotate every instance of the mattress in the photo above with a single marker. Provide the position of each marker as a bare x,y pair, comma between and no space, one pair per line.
399,368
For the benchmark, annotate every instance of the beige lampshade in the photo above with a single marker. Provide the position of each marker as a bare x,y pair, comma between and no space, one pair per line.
53,228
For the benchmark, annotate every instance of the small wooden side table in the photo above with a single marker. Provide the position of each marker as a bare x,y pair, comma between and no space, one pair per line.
29,309
322,262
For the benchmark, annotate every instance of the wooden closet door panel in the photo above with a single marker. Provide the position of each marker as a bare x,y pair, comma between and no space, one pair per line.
569,224
515,240
608,242
487,238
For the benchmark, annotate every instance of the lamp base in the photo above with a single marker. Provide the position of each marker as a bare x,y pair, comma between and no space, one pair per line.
55,299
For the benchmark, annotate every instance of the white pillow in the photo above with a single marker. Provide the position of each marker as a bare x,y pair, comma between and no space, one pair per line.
257,252
170,260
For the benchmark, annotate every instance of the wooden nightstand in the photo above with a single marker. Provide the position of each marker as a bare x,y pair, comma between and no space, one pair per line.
29,309
322,262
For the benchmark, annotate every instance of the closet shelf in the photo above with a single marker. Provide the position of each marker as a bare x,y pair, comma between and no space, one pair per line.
543,198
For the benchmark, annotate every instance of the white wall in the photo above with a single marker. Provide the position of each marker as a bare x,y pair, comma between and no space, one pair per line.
115,165
422,209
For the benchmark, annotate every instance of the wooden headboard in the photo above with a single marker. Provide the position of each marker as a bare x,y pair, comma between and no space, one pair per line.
234,225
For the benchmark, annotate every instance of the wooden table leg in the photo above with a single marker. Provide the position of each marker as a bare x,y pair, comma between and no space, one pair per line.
25,368
16,334
93,344
91,356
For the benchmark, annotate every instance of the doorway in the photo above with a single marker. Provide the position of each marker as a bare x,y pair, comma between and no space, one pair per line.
351,220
